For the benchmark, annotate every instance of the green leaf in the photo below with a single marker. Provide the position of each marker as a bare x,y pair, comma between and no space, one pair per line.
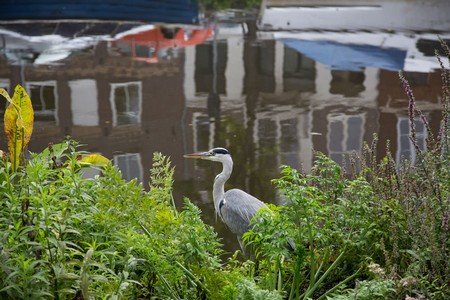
55,150
18,120
95,160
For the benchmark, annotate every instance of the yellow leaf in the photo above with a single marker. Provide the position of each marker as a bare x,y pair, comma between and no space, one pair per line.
18,120
95,160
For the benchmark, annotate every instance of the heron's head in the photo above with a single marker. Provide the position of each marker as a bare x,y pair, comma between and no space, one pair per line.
215,154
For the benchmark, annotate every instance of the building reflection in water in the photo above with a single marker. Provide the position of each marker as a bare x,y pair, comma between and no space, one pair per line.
272,105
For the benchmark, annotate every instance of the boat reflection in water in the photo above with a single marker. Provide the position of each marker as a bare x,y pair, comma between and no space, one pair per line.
151,45
130,92
92,87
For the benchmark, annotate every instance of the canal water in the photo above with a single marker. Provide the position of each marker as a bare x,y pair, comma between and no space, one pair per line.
270,97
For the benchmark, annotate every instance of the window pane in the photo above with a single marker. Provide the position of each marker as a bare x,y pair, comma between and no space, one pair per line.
336,136
404,126
420,128
129,165
134,101
336,157
43,100
421,142
405,143
120,99
127,102
354,137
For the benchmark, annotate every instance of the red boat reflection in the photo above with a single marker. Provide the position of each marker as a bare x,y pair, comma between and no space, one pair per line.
152,45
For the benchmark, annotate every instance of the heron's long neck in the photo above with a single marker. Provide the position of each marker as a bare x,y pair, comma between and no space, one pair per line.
219,183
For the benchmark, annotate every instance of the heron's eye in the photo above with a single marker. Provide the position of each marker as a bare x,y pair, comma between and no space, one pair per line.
220,151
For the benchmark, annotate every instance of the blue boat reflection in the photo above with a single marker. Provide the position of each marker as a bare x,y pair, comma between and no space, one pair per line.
351,57
174,11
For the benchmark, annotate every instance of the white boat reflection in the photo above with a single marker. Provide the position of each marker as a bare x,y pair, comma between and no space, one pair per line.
337,15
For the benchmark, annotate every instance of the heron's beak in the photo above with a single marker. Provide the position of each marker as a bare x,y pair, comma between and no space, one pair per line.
198,155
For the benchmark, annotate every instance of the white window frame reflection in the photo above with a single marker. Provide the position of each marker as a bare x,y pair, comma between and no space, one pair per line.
345,149
133,116
44,111
405,147
130,165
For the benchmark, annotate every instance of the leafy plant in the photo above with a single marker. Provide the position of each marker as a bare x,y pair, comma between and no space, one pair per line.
18,119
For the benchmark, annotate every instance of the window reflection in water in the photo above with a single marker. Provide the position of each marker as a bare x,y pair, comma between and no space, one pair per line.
130,166
405,147
265,55
299,71
345,136
84,102
126,101
44,99
347,83
206,69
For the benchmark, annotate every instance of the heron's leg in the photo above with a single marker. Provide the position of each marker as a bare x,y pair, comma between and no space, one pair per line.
239,238
246,250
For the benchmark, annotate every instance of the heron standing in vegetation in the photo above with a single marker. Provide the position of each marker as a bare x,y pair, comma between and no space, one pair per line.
235,207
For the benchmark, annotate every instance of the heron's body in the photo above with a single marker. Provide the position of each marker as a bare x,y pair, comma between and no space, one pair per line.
235,207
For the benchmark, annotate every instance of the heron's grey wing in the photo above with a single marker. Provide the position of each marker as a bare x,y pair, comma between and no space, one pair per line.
237,209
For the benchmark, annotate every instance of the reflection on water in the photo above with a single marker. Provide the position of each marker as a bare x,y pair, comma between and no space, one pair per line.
268,101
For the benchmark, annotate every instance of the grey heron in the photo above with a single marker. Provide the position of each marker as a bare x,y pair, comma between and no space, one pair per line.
235,207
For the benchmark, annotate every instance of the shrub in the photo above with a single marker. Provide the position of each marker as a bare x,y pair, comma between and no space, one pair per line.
63,235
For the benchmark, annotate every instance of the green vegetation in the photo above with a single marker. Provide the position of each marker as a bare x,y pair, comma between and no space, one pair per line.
380,232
